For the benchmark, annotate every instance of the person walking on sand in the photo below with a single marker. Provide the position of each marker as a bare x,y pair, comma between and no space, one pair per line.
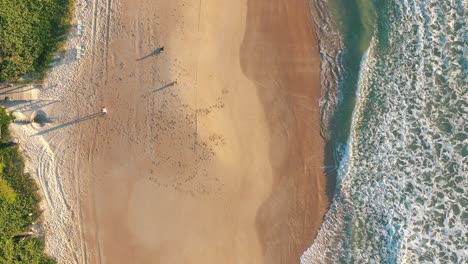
104,110
161,49
174,83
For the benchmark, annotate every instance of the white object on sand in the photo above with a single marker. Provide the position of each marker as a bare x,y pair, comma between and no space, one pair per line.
104,110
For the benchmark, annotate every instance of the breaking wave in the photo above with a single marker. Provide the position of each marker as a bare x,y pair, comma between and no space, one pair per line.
401,192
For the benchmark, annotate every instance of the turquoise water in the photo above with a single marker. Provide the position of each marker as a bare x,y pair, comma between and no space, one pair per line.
395,108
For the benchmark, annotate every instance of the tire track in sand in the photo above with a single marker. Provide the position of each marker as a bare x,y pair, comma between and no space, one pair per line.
95,39
94,22
108,16
43,166
58,171
105,60
76,171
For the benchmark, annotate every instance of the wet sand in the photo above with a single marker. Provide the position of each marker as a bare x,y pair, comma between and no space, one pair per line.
225,166
280,55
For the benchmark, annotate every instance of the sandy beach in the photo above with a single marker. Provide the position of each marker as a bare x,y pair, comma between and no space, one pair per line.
223,166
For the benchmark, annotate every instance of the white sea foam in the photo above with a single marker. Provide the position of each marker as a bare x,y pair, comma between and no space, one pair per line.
402,194
331,51
333,224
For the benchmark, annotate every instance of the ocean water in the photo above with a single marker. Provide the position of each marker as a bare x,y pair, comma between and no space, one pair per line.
395,107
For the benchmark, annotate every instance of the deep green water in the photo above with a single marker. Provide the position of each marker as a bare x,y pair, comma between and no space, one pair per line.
355,22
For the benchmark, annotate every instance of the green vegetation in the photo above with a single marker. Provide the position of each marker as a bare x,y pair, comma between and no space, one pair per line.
30,32
18,204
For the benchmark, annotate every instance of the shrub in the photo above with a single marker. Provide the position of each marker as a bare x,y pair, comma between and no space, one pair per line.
18,205
30,32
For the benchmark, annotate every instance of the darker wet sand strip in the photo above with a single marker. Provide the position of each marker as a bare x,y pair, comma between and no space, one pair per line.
280,54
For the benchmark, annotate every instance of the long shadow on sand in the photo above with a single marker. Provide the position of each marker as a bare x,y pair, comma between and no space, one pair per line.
164,87
13,89
153,53
68,124
26,105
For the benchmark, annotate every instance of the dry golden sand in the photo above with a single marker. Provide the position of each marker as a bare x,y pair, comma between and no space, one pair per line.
223,167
